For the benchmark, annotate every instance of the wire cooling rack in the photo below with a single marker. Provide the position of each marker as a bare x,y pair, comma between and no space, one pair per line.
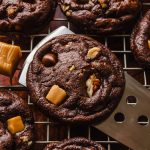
49,131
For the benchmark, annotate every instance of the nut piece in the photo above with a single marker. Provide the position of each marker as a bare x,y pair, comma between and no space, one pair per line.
11,11
15,124
30,143
68,13
72,68
93,52
9,58
49,60
65,7
92,85
103,3
56,95
104,6
68,44
24,138
149,44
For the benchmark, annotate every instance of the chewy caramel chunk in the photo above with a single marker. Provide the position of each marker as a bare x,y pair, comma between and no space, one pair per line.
149,44
9,58
56,95
15,124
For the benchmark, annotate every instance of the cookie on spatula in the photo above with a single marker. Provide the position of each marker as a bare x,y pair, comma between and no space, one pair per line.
75,79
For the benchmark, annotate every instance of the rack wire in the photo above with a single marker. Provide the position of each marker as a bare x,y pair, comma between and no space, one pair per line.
48,131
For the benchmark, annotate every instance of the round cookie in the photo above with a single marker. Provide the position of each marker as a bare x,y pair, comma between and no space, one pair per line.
77,143
140,41
100,16
75,79
12,106
24,15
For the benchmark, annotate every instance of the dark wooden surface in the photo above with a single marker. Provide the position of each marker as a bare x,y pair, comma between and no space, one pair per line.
47,130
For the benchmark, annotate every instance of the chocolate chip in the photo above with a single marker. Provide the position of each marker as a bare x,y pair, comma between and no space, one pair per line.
49,60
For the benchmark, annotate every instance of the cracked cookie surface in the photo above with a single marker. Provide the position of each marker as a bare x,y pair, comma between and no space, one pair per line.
74,144
83,84
140,41
100,16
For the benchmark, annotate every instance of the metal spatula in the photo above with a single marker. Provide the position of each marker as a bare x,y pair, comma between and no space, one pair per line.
128,131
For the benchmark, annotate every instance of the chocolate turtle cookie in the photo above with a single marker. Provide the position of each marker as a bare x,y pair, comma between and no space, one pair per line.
140,41
24,15
74,144
75,79
100,16
16,123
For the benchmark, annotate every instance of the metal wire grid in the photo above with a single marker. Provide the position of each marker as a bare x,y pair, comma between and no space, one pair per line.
109,143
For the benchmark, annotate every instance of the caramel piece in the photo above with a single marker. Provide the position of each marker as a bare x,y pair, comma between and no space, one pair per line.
9,58
15,124
56,95
149,44
93,52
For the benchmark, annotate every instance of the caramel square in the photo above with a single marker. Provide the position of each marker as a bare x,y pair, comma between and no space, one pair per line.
9,58
15,124
56,95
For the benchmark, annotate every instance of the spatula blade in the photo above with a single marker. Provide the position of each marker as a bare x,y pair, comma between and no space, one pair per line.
130,132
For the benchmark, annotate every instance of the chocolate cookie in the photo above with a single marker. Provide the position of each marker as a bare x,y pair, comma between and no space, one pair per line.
140,41
74,144
14,115
24,15
75,79
101,16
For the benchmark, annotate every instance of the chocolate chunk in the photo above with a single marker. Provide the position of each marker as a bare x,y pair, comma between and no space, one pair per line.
49,59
